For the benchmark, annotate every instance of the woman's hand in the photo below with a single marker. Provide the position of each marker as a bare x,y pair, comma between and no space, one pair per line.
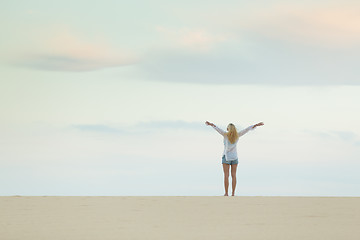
259,124
209,124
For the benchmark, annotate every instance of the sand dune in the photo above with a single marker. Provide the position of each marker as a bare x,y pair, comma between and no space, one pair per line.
67,218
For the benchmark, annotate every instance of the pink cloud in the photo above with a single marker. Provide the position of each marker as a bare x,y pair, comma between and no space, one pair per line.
331,26
64,50
193,39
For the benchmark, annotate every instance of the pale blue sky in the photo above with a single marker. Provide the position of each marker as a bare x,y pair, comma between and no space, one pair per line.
110,97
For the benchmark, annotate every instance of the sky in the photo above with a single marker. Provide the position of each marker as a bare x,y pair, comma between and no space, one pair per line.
109,98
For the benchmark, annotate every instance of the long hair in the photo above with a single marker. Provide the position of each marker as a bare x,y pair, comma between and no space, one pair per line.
232,133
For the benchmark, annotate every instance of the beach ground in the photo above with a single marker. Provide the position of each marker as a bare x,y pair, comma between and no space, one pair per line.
105,218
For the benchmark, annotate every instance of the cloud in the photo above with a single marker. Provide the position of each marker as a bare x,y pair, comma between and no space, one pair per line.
198,40
141,127
266,63
282,44
97,128
64,50
288,44
171,125
346,136
325,25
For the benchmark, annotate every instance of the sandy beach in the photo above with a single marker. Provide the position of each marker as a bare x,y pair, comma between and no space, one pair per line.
60,218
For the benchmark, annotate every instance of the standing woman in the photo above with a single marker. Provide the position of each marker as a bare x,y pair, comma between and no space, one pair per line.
230,158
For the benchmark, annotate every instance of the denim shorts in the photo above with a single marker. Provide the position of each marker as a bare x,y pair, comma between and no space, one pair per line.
232,162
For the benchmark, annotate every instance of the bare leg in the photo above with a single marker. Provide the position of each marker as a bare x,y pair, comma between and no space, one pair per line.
233,177
226,168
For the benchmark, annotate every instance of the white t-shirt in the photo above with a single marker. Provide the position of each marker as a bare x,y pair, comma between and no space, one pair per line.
230,150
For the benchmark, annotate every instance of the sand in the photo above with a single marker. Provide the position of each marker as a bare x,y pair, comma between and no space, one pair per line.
67,218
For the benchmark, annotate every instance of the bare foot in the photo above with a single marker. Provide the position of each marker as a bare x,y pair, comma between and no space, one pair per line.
226,194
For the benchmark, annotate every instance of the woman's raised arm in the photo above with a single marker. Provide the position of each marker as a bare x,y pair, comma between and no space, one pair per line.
219,130
244,131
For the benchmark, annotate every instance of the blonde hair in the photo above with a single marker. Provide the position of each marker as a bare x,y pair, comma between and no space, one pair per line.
232,133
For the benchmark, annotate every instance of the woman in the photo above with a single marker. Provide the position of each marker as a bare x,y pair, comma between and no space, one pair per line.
230,158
